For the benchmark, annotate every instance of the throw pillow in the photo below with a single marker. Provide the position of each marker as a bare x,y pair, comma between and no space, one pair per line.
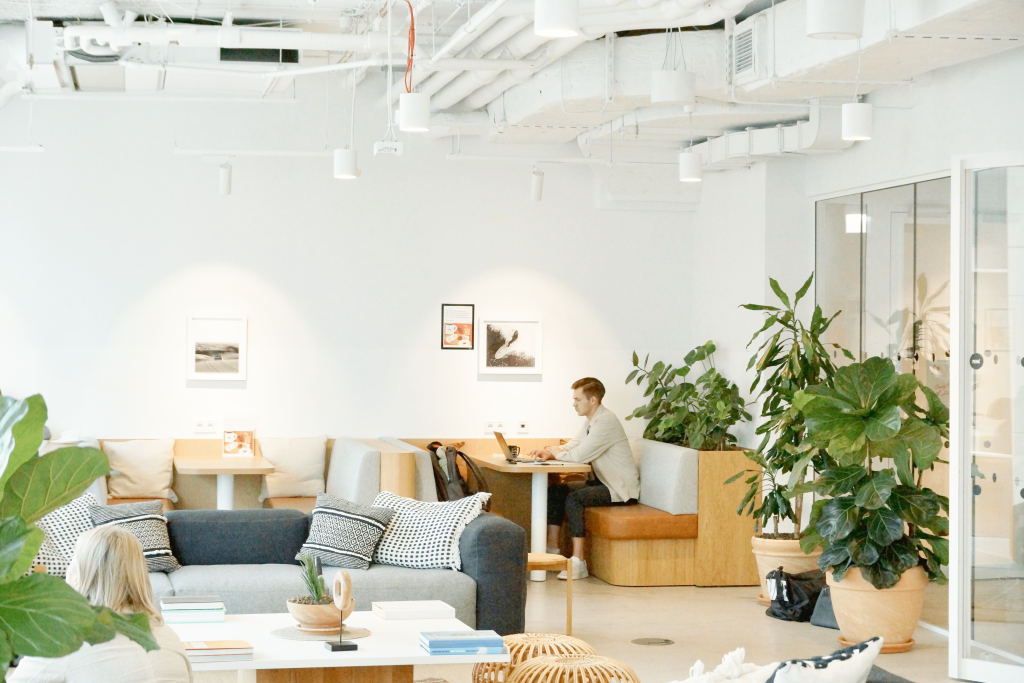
146,522
144,469
344,534
298,467
62,527
425,535
849,665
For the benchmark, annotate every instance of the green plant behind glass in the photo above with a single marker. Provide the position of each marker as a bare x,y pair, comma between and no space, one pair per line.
791,359
696,414
41,615
877,517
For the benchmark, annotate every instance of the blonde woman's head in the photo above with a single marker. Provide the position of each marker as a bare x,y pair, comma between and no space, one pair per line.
109,569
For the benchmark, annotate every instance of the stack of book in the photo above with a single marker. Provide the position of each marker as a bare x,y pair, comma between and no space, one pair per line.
462,643
192,609
203,651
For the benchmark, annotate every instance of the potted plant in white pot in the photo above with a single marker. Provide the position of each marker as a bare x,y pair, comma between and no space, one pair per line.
792,358
881,531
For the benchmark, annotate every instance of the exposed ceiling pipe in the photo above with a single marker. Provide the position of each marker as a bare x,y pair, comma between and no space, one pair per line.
273,73
555,50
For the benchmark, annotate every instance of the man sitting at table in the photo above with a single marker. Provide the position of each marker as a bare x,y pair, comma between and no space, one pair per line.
601,443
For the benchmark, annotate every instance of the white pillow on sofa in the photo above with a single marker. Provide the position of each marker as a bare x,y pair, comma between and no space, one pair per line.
298,467
145,468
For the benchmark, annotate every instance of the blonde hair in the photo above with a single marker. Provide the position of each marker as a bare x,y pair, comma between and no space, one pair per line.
109,569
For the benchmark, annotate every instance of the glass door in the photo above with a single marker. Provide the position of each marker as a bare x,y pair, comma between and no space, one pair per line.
987,566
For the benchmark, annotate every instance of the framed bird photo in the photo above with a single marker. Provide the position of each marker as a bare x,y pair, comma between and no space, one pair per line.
511,347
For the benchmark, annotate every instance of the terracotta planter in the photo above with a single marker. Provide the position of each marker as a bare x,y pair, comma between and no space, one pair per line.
772,553
864,612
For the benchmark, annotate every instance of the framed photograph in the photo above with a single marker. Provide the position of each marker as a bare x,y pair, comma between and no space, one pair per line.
216,347
457,326
511,347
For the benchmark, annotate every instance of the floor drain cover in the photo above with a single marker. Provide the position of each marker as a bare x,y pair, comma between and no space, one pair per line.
653,641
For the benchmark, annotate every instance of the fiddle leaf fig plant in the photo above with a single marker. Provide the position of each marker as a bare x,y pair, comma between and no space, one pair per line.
697,414
41,615
876,517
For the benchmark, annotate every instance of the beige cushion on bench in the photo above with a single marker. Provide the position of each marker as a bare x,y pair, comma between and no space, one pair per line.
168,505
144,468
305,505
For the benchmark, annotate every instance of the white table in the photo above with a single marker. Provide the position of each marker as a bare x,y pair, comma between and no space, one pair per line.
225,469
387,655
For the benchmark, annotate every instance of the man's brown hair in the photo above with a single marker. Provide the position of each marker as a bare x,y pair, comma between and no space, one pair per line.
591,387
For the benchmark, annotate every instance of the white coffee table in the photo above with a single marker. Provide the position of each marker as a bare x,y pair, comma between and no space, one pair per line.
387,655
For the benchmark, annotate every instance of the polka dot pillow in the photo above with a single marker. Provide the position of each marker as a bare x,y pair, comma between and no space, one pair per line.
425,535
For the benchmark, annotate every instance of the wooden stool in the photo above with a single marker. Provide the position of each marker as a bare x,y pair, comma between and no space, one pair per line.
573,669
552,562
524,646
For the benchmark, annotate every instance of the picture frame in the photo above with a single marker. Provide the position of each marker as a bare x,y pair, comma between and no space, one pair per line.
458,332
216,347
511,346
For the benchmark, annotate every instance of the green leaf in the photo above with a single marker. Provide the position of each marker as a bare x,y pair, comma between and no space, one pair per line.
863,551
44,484
19,543
883,424
936,407
44,616
735,477
636,359
901,458
839,518
839,480
884,526
759,307
803,290
874,493
629,378
809,541
913,505
835,555
136,627
778,291
862,384
21,433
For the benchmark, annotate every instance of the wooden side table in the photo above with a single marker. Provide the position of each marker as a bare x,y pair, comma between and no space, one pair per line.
225,469
397,468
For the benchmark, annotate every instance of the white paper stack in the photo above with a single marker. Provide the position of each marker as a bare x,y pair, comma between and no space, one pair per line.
414,609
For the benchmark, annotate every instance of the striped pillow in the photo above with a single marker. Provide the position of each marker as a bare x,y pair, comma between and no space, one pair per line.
146,522
344,534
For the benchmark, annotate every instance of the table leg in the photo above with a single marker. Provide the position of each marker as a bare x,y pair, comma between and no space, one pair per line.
247,676
539,520
225,491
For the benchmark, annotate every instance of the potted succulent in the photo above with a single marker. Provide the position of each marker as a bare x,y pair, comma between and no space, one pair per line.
881,532
792,358
318,611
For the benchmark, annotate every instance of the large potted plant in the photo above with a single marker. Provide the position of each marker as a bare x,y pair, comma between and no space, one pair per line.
41,615
881,531
791,358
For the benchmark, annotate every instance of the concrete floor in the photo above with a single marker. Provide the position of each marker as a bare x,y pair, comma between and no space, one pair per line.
705,623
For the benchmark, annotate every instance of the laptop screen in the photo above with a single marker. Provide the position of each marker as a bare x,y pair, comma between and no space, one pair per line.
504,446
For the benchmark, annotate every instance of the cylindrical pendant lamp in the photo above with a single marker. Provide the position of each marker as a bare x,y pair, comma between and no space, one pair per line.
679,87
835,19
537,185
225,178
691,167
346,164
556,18
414,112
857,122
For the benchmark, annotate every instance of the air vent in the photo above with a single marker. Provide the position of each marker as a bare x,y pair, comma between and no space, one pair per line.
232,54
743,53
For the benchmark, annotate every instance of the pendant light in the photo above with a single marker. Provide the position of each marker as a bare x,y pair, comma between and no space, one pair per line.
536,185
835,19
679,87
857,120
225,178
346,159
556,18
691,167
414,112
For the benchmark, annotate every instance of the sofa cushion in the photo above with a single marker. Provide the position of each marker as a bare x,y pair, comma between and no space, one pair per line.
145,522
144,468
668,477
62,527
383,582
425,535
344,534
630,522
298,467
257,536
244,588
162,587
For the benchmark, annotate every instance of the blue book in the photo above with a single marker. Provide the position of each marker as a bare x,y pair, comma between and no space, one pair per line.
457,640
468,651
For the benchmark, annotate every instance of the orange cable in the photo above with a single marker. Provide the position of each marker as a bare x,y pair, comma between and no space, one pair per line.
412,48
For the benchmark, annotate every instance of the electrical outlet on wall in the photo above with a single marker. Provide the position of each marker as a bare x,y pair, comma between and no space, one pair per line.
501,426
204,426
490,427
522,427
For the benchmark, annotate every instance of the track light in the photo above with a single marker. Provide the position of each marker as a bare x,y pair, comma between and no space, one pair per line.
556,18
835,19
414,112
225,178
691,167
346,164
857,121
537,185
679,87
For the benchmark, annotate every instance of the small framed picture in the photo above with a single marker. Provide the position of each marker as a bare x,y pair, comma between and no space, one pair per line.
457,326
216,347
511,347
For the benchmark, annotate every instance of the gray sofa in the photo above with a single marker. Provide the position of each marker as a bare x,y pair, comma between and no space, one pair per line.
247,557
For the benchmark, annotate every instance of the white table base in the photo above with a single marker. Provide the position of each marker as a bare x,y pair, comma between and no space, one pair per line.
226,493
539,520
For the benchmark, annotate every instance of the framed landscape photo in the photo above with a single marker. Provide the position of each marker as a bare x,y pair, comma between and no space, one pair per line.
457,326
511,346
216,347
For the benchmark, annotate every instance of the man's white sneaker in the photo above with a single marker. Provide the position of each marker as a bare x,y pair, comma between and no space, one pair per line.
579,570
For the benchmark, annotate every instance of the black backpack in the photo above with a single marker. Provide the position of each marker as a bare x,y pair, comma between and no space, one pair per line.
794,595
450,484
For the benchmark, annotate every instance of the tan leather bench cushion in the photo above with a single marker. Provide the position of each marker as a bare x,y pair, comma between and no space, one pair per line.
626,522
302,504
168,505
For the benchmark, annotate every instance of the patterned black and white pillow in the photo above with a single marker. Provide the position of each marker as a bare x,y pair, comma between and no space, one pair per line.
62,527
147,523
344,534
425,535
849,665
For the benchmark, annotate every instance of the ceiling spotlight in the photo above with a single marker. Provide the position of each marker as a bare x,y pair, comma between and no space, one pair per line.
414,112
225,178
835,19
679,87
691,167
537,185
857,120
556,18
346,164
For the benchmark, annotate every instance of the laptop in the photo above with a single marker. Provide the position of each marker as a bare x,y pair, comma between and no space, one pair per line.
508,453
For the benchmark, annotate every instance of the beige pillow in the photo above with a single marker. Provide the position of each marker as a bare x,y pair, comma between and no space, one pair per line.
145,468
298,467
